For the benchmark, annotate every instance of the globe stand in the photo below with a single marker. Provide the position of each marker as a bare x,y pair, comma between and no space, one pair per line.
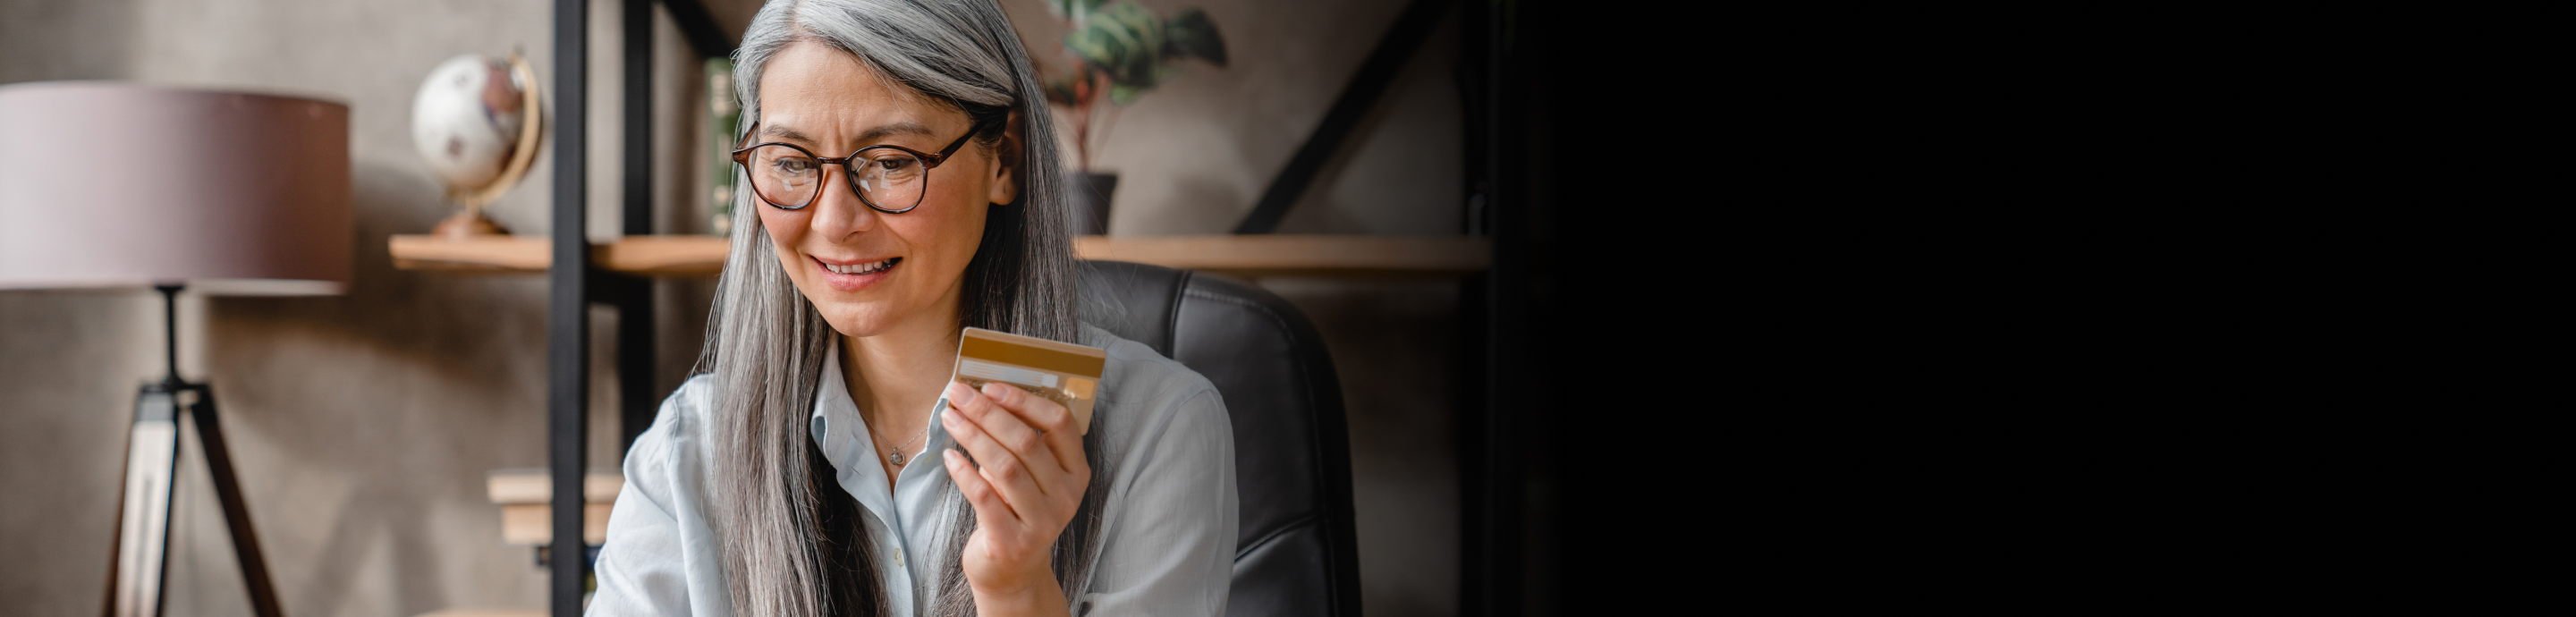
468,223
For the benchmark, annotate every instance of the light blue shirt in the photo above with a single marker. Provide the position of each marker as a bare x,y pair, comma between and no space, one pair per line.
1167,526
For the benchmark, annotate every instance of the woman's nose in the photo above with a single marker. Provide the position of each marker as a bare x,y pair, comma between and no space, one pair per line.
840,215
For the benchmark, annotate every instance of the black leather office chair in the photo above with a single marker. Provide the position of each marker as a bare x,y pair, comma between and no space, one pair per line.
1298,552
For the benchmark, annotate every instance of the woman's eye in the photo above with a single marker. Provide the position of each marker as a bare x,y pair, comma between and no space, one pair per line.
795,166
895,163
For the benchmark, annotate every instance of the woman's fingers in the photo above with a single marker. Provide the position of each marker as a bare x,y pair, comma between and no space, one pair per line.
971,421
990,509
1002,418
1054,423
996,464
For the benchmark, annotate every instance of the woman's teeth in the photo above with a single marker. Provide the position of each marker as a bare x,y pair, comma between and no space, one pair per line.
865,268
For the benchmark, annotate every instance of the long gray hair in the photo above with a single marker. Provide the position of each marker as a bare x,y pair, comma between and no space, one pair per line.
793,545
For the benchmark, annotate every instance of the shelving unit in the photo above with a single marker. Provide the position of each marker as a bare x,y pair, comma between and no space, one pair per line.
1487,257
1237,255
644,256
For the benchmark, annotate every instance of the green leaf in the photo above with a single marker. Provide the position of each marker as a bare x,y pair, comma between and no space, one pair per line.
1123,39
1136,49
1072,9
1192,34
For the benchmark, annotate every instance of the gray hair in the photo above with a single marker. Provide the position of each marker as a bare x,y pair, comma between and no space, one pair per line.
790,547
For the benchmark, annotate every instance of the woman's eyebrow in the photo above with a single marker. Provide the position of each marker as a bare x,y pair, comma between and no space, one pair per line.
780,132
899,128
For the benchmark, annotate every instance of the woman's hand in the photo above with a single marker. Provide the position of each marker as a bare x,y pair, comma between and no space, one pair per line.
1026,481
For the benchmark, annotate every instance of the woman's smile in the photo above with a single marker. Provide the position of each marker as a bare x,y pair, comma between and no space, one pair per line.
854,275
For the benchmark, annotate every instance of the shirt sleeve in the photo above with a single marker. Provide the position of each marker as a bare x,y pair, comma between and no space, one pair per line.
641,570
1168,549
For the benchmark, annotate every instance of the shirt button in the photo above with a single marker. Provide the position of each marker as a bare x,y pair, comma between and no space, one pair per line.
898,557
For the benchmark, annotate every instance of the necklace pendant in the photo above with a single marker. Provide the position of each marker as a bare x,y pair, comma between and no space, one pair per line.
896,458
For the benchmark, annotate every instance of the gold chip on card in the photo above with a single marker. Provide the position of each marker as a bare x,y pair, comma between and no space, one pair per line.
1066,373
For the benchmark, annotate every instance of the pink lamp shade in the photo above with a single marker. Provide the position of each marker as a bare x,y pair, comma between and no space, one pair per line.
109,184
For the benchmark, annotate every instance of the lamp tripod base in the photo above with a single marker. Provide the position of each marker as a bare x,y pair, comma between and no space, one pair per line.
467,223
151,473
140,558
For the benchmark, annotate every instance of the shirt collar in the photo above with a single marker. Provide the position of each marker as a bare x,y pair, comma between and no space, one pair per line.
844,439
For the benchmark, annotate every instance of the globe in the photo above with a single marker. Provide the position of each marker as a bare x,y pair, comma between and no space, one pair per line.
466,121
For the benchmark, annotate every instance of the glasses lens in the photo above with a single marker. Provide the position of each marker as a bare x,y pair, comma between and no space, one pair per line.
784,176
889,179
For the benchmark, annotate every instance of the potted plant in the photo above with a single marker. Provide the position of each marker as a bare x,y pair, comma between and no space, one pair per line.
1120,50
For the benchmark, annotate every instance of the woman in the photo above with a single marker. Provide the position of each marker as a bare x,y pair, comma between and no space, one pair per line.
825,464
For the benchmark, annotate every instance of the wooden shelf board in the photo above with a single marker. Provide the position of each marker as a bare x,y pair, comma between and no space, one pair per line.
487,254
1298,255
639,255
663,255
1249,256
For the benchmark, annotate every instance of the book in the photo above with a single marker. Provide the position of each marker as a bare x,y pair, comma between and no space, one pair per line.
535,485
526,495
533,524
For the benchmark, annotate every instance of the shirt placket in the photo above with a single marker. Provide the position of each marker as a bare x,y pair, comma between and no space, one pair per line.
848,445
919,495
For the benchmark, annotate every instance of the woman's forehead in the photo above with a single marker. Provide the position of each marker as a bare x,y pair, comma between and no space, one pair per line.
815,92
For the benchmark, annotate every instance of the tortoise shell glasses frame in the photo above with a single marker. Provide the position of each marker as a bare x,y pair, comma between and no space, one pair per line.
857,171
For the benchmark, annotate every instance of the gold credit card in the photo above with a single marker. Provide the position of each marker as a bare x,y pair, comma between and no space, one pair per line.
1066,373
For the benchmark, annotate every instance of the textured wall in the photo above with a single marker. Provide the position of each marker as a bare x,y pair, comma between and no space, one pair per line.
364,423
1194,155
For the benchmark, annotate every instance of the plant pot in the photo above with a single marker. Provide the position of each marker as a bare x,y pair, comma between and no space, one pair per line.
1090,210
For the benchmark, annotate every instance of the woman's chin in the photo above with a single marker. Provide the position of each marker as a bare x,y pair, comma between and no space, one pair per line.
858,321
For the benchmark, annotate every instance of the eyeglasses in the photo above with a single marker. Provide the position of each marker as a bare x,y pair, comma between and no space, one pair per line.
889,178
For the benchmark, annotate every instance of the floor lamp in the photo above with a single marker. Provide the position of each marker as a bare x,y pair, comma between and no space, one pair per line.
121,185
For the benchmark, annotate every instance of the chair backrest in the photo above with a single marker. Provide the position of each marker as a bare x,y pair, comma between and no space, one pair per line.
1298,550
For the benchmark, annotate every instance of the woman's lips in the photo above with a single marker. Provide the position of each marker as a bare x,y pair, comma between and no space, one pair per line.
856,276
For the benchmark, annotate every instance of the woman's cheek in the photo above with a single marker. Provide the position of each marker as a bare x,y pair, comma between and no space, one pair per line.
959,227
783,226
968,231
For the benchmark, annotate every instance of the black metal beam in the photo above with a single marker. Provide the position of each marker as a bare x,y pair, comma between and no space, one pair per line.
636,106
1493,489
1412,27
699,26
568,310
635,350
637,401
1476,106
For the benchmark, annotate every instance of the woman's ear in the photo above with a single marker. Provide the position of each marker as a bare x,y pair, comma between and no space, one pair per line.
1006,180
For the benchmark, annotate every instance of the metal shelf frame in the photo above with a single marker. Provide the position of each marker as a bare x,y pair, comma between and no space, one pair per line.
1491,475
573,284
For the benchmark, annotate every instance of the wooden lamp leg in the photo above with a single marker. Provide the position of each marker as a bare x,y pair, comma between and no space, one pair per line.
151,471
143,532
219,464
